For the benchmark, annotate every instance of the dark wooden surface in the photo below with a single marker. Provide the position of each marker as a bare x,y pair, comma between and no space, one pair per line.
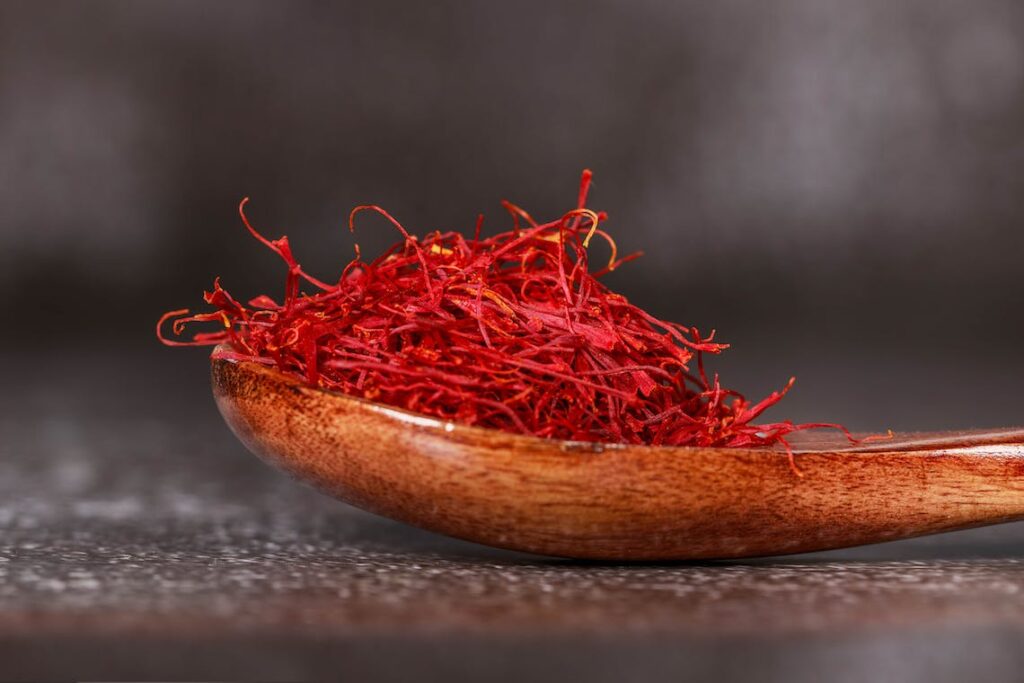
138,539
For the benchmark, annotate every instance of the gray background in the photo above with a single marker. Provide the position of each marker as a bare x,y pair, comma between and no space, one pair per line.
835,186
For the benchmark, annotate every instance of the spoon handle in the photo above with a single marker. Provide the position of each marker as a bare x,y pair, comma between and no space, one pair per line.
963,439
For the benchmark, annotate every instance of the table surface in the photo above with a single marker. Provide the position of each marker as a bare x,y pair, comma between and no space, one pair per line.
139,539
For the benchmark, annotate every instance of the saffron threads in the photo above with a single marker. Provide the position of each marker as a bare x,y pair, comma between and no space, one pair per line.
511,332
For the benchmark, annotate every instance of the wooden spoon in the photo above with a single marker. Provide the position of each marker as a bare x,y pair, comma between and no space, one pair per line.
618,502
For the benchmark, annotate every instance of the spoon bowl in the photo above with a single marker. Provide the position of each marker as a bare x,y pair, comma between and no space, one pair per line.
621,502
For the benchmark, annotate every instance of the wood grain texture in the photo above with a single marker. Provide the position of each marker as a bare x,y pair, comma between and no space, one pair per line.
617,502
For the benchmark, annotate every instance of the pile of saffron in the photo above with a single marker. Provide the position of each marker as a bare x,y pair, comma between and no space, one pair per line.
512,332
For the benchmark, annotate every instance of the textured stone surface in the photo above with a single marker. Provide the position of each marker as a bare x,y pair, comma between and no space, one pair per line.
138,539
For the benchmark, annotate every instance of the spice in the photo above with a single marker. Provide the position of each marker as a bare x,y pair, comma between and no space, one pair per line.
510,332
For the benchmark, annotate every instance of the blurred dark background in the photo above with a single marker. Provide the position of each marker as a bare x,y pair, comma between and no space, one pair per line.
836,187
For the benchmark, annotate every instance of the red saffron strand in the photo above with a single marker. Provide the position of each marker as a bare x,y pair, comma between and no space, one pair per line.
511,332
